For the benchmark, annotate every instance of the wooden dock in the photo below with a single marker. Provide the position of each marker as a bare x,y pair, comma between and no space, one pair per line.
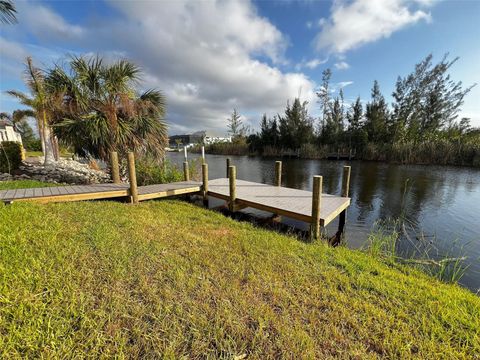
294,203
97,192
314,207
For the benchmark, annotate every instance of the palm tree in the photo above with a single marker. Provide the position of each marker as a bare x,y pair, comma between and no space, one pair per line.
7,12
97,109
40,103
18,119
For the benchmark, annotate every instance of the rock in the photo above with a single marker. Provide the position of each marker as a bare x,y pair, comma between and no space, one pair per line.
64,171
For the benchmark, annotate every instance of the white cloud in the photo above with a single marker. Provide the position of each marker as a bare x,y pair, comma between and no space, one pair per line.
203,55
358,22
45,23
12,50
341,65
342,84
310,64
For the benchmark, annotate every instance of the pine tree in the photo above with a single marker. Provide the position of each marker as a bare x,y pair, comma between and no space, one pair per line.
323,95
377,116
426,101
235,126
355,115
296,127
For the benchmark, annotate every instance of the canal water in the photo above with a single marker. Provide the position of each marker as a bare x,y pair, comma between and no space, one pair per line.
440,204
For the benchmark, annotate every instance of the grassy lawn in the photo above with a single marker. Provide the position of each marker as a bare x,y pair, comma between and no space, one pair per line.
33,153
168,279
39,153
23,184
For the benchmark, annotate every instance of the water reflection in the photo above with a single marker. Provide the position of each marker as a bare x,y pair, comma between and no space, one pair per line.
441,201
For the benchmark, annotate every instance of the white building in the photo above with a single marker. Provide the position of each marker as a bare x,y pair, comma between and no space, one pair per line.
8,133
215,139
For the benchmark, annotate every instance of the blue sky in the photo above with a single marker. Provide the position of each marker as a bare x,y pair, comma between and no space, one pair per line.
209,57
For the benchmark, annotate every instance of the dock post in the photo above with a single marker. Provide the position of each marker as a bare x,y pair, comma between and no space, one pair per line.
232,174
203,154
114,168
278,173
205,184
228,166
186,172
345,191
316,205
132,177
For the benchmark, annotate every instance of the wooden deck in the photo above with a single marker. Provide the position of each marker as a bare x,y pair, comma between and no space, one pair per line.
97,191
293,203
289,202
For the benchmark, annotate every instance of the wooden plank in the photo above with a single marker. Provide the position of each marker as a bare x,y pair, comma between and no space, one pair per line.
37,192
78,197
28,193
20,194
280,200
9,194
169,192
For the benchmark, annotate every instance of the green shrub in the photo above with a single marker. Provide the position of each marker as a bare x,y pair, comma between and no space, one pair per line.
33,145
228,148
150,171
10,156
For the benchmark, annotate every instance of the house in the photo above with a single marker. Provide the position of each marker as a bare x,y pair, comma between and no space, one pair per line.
187,139
8,133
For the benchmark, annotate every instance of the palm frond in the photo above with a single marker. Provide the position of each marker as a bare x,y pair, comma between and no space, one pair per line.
5,115
34,78
7,12
20,114
23,98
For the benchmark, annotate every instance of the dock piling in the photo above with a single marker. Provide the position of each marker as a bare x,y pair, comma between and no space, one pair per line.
203,154
316,205
205,183
228,166
232,174
278,173
345,191
114,167
186,172
132,177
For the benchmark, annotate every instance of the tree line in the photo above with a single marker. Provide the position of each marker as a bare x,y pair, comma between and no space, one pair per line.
425,109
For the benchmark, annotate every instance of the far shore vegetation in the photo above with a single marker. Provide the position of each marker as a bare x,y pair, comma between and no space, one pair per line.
420,127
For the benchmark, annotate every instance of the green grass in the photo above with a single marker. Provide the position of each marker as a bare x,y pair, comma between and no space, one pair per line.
23,184
167,279
29,153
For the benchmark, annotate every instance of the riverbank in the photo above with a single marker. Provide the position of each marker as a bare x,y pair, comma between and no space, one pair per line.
440,152
167,278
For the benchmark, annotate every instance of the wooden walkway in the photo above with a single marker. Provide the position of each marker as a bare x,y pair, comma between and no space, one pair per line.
316,208
293,203
97,191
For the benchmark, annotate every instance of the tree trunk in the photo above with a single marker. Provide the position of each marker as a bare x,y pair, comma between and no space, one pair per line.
40,133
48,149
